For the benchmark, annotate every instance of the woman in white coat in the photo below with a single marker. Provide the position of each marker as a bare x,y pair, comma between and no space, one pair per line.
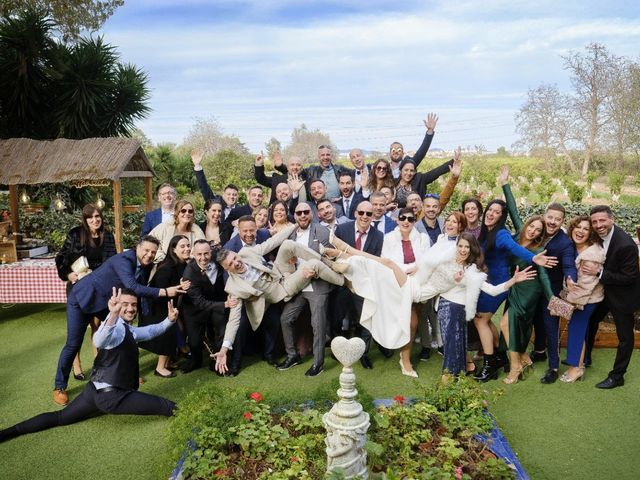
406,247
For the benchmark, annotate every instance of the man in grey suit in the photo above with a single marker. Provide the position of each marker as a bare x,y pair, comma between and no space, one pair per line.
316,295
257,284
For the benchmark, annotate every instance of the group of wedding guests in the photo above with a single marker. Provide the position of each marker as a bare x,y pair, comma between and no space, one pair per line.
361,251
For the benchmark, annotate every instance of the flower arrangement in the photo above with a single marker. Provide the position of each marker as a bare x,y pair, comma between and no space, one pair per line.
238,434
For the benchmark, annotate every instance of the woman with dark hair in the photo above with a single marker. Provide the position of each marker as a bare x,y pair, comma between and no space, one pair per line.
93,242
586,293
498,246
381,176
183,223
278,217
472,210
406,246
456,275
169,272
214,229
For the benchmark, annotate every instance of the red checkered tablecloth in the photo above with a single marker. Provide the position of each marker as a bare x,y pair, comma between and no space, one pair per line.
31,281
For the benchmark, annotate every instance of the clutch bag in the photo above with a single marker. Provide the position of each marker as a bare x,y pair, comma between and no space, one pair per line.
81,267
560,308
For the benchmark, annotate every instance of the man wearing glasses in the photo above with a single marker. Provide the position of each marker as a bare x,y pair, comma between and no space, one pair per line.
396,150
360,234
166,195
257,284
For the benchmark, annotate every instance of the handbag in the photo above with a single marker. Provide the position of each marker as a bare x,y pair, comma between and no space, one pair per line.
81,267
560,308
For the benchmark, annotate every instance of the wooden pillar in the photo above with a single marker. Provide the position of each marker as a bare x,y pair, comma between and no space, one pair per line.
13,207
117,213
148,193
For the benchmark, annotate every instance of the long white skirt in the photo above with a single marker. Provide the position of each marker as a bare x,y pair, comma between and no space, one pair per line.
386,311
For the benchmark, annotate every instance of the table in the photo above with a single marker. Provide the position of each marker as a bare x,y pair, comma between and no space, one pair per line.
31,281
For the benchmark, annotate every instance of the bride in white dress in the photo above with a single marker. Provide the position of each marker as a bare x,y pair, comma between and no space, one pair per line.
455,270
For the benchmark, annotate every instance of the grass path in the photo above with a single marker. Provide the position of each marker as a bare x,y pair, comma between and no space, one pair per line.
558,431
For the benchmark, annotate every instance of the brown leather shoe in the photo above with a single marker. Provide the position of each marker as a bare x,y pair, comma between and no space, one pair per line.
60,396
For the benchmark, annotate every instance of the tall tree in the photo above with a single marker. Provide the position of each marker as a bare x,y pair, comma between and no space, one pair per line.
70,16
49,89
207,135
305,143
591,73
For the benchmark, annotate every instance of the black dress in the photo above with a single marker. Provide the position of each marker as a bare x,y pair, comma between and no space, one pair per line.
167,275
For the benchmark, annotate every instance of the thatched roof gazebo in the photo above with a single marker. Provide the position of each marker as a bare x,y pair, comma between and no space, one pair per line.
88,162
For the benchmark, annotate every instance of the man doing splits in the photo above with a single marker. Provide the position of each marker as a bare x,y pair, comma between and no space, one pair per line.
115,375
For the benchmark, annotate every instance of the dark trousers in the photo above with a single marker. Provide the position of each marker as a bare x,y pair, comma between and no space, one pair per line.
269,327
540,335
624,329
92,402
197,327
576,337
77,322
552,330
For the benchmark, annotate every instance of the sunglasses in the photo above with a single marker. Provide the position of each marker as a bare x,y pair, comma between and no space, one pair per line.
368,214
381,169
407,218
186,210
432,195
397,150
302,212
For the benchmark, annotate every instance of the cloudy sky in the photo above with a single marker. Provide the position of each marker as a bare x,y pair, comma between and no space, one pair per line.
366,72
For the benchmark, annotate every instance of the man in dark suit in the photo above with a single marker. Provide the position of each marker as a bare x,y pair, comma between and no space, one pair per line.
396,150
249,235
166,196
361,171
255,195
621,281
229,197
361,235
293,169
558,245
90,295
349,198
316,295
206,305
380,220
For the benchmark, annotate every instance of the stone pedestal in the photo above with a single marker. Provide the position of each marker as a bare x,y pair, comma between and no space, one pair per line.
346,423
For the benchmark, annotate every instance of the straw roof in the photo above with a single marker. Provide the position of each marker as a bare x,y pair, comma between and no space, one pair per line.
26,161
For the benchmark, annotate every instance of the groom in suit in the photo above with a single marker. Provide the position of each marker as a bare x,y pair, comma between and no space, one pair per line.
258,284
621,281
360,234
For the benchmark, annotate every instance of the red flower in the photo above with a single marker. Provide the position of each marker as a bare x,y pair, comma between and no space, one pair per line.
222,472
256,396
294,459
399,399
247,415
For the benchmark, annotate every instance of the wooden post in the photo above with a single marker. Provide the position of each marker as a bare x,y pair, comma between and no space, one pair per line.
13,206
148,193
117,213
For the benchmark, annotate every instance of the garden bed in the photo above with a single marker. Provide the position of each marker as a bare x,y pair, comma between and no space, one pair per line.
446,433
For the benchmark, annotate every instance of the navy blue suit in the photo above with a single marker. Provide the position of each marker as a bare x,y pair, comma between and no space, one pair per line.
372,245
353,203
89,297
151,220
562,247
389,224
235,244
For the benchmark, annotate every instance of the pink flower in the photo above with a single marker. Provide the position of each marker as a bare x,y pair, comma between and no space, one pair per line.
458,473
257,396
399,399
247,415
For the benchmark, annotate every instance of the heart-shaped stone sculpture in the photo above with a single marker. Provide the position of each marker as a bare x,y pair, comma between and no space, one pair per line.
346,351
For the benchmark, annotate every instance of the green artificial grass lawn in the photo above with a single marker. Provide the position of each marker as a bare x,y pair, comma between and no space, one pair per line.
558,431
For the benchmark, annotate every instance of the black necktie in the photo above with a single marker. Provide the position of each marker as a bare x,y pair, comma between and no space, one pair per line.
376,223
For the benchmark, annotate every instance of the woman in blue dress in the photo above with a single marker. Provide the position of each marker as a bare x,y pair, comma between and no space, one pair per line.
498,246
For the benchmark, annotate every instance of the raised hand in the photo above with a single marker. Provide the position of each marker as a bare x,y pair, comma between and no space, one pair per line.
294,182
173,312
544,261
456,168
430,122
259,160
115,302
503,178
196,157
277,159
364,177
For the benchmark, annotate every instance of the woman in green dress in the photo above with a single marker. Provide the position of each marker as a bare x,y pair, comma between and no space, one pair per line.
517,321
